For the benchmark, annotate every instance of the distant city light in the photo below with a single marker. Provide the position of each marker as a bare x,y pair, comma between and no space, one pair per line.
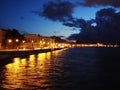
32,41
23,41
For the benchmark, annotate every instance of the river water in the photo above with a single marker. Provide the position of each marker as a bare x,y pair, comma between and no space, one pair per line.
87,68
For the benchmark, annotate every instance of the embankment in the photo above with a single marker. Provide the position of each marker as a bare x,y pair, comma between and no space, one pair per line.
21,53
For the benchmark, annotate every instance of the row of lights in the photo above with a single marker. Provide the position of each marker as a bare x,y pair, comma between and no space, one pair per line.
10,40
16,40
41,42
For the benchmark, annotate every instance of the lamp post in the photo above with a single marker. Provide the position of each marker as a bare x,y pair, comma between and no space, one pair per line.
32,43
17,40
40,44
9,42
23,44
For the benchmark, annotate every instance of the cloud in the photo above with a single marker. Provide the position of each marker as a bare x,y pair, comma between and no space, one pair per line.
108,22
115,3
103,29
57,11
106,30
78,23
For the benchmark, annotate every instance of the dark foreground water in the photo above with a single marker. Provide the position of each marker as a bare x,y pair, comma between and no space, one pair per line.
67,69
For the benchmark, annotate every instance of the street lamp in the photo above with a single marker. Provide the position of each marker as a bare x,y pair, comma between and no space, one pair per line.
17,40
23,44
40,44
9,41
23,41
32,44
32,41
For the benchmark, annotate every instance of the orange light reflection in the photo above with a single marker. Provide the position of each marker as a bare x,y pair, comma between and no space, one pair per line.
34,70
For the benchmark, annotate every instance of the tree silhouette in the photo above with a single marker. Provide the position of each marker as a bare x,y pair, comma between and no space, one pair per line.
13,35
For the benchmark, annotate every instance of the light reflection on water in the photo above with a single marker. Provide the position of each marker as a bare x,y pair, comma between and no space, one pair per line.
67,69
32,72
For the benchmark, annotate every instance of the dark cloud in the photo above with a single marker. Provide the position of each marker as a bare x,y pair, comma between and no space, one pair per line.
78,23
61,36
103,29
57,11
74,37
108,22
115,3
106,30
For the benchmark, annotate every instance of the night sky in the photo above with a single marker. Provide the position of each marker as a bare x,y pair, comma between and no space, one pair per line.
51,17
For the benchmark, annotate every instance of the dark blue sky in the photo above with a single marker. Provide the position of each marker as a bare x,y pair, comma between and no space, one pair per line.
19,14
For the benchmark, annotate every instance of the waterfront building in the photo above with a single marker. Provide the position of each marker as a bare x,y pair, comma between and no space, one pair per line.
2,37
34,41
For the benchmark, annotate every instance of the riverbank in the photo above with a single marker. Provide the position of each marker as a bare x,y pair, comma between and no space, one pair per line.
5,54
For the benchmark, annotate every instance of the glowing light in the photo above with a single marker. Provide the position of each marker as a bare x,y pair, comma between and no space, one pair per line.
32,57
16,60
23,41
23,61
17,40
32,41
62,46
40,41
9,40
48,55
41,56
9,65
24,48
32,61
13,74
41,60
43,42
30,70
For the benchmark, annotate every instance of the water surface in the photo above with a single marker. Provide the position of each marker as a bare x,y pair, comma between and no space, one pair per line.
67,69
